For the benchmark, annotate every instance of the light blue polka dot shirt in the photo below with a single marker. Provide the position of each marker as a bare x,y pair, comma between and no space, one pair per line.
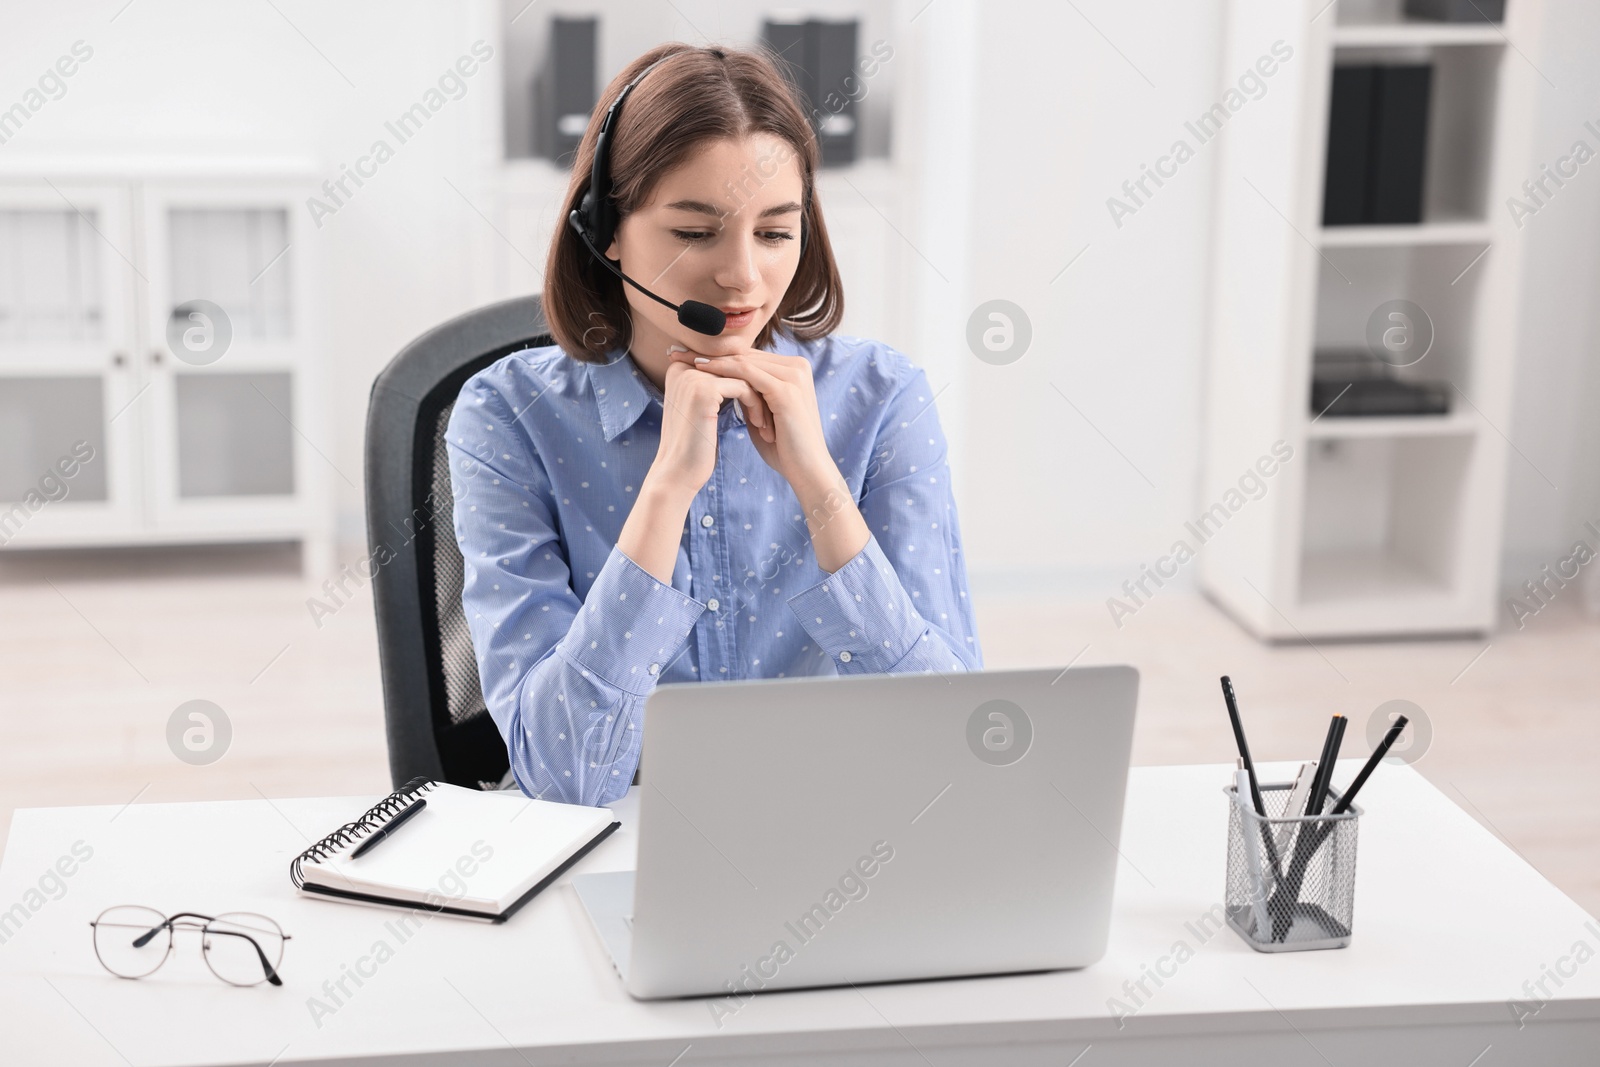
547,455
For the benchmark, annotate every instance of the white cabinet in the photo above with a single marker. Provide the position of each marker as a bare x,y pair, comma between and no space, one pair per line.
159,359
67,372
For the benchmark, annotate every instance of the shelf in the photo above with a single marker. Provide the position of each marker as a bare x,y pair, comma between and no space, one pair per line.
1445,281
1450,232
1335,428
1375,579
628,28
1412,33
1381,527
1370,593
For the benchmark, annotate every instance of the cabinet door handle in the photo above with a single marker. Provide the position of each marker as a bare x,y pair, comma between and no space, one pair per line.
119,359
155,356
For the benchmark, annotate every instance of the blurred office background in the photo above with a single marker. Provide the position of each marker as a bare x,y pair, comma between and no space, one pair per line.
1101,227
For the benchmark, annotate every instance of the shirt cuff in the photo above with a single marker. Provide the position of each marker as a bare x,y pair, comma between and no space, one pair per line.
631,626
860,614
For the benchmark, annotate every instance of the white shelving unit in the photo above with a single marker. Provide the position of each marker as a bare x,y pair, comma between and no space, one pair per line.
1376,526
96,257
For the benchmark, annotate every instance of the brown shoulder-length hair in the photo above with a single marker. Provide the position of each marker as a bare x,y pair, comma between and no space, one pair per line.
696,95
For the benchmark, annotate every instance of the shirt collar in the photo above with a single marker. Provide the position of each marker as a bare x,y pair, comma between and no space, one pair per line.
622,392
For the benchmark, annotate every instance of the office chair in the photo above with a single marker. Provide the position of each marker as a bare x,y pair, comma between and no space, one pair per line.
434,713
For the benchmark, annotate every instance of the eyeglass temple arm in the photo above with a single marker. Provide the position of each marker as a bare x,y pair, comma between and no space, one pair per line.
272,975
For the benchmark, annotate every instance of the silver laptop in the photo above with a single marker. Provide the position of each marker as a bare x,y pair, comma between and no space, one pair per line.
823,831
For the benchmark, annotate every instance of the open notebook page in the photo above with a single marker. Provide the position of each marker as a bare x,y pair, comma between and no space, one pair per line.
468,849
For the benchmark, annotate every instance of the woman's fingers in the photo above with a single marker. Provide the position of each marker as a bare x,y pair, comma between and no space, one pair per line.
754,387
773,388
757,410
759,416
757,413
792,369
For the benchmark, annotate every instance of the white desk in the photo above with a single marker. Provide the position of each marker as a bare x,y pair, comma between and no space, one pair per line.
1449,923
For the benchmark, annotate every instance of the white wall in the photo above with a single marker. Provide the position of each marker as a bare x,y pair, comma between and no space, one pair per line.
1064,120
1555,425
1067,106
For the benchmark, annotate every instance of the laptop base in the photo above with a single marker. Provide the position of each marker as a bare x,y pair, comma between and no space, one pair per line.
608,898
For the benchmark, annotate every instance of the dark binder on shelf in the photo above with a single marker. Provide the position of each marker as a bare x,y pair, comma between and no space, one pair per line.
819,58
475,854
565,91
1457,10
1353,382
1399,143
1344,198
1380,396
787,39
1375,171
838,89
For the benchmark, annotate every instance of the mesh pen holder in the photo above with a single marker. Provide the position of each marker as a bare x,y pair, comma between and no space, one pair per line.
1291,881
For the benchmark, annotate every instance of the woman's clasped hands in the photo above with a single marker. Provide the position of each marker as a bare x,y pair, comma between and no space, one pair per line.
779,401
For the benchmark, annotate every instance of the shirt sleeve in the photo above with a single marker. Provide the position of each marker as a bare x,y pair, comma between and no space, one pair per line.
900,605
564,679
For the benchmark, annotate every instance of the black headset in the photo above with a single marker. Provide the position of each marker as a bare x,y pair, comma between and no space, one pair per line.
595,219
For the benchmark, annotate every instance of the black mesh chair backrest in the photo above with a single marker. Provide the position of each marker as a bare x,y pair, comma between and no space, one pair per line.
433,706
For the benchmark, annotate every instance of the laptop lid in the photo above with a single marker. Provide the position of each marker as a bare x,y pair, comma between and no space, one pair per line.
819,831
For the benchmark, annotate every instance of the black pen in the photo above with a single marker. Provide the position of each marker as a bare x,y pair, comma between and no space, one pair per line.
1244,746
390,827
1333,760
1267,838
1372,762
1330,752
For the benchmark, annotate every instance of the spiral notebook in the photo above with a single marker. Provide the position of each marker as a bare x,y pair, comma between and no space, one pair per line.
468,852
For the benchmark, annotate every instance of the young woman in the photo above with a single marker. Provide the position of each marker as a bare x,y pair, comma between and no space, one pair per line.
643,503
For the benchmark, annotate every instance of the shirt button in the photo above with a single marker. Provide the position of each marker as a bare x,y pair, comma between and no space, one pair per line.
655,668
706,520
712,603
844,657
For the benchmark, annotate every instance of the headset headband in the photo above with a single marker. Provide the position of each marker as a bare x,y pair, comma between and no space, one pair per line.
598,209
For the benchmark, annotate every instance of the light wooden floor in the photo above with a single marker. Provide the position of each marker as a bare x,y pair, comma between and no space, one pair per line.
97,651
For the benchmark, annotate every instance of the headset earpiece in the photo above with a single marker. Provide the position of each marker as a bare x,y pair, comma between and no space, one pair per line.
603,226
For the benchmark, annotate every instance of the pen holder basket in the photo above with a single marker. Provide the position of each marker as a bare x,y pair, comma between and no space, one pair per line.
1291,880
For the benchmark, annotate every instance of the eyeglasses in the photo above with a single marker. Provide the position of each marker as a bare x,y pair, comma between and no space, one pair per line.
241,947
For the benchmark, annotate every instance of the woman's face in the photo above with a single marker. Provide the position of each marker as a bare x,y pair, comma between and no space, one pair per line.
722,228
